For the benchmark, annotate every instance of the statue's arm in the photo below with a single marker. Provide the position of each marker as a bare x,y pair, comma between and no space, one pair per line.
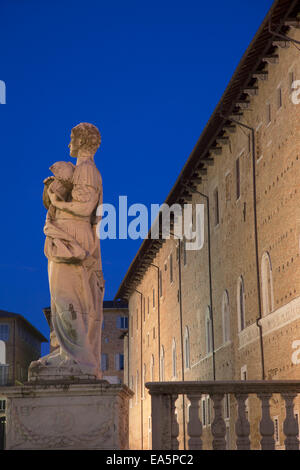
84,201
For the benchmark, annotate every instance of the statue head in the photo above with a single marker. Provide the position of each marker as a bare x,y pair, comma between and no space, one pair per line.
85,140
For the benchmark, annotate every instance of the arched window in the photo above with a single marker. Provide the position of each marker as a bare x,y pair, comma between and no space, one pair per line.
267,284
226,317
162,364
2,352
152,368
186,348
174,367
241,303
208,331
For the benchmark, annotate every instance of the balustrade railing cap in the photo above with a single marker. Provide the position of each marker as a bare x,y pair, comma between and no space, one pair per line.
224,386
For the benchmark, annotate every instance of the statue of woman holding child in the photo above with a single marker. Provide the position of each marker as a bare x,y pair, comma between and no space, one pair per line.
72,247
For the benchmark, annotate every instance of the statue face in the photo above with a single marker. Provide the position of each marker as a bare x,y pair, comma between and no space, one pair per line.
74,145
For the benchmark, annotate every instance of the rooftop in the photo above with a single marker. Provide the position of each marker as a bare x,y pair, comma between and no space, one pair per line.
17,316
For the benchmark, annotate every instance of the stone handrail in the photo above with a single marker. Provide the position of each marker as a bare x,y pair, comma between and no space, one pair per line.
165,429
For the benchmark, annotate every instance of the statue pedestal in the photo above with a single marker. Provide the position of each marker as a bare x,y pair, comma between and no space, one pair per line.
60,415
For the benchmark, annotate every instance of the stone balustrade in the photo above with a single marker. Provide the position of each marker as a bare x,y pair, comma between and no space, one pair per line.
165,428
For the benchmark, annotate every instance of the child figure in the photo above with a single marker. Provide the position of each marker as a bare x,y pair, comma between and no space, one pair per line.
61,184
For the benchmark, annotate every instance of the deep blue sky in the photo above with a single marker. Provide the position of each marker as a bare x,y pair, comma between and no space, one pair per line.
147,74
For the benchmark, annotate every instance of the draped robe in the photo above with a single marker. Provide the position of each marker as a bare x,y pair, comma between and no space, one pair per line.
75,272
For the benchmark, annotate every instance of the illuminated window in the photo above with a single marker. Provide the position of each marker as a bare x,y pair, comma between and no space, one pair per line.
226,317
241,303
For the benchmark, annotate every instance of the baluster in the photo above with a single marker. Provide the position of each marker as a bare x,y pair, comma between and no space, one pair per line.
194,426
242,426
174,424
161,421
290,426
218,427
266,426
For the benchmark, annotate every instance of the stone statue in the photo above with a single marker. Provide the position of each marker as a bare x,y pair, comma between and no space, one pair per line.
72,247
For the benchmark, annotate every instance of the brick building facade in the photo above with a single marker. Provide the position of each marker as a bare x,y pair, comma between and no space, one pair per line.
114,329
230,310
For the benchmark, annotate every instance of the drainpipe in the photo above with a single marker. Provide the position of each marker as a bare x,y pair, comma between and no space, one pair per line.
142,373
209,274
256,241
181,337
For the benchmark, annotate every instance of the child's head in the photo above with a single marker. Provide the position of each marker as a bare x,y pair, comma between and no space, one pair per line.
63,171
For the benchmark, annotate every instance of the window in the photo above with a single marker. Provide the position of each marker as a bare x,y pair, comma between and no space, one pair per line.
174,359
153,298
122,323
119,361
171,268
268,113
258,141
228,183
4,332
160,284
162,364
279,98
148,301
267,284
291,80
144,307
2,352
241,303
226,317
237,174
186,348
208,331
216,206
2,405
137,318
104,362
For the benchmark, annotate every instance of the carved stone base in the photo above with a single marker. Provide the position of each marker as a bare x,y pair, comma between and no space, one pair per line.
57,416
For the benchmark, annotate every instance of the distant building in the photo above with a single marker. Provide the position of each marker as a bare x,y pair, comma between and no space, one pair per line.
114,328
20,344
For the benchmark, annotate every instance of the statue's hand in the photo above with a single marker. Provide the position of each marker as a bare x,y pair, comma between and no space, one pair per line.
48,180
52,196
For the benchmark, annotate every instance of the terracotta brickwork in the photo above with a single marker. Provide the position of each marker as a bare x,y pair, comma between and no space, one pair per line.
160,325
